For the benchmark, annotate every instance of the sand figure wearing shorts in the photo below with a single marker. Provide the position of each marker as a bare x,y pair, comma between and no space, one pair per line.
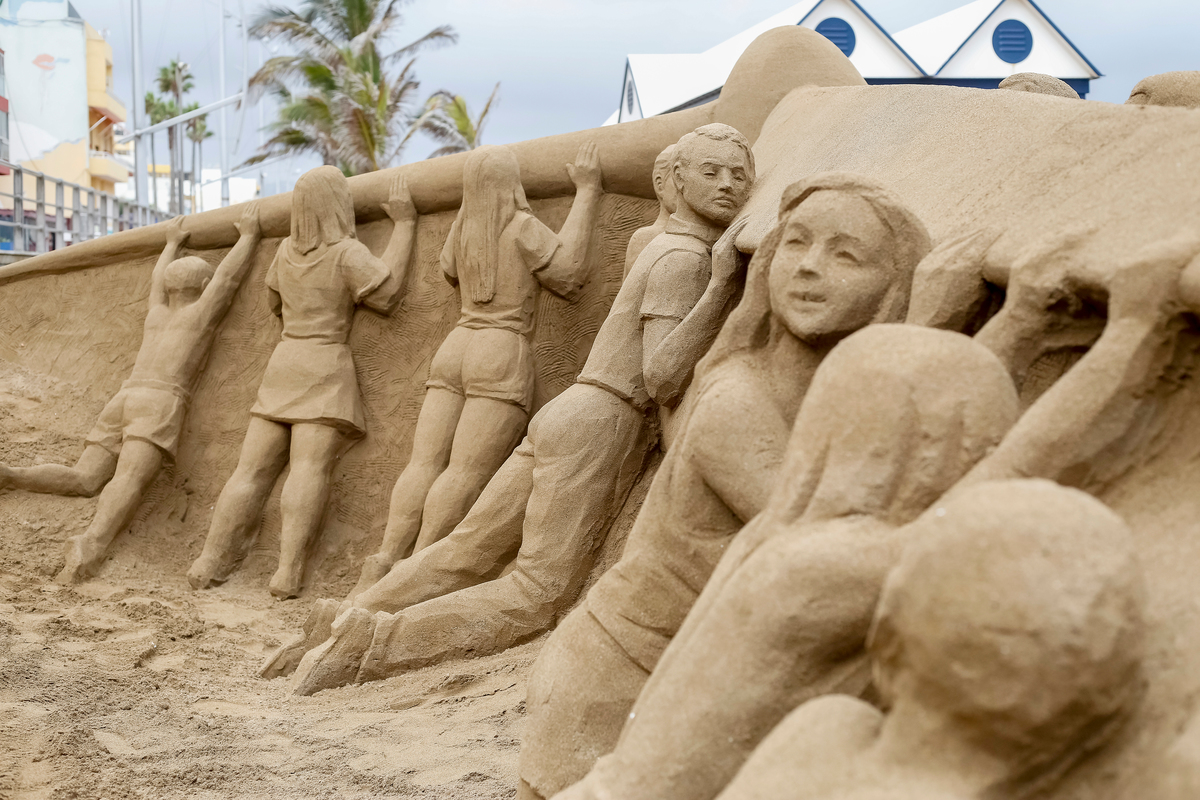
139,429
308,409
480,384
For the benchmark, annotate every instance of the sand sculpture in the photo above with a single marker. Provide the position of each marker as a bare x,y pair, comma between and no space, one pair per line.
308,409
1050,333
480,386
895,417
138,430
1179,89
576,465
841,257
1007,645
1037,83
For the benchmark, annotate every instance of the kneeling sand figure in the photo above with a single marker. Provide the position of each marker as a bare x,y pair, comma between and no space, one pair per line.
550,502
842,256
1007,646
308,409
139,429
895,417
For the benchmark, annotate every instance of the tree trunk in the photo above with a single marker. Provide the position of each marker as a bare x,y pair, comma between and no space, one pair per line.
154,170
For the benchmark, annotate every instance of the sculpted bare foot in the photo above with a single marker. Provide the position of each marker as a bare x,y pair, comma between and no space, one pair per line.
286,582
374,568
317,628
205,572
83,556
335,663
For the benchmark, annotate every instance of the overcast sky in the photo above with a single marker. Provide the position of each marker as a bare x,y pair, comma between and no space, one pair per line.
560,63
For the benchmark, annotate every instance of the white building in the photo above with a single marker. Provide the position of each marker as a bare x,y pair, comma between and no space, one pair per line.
978,45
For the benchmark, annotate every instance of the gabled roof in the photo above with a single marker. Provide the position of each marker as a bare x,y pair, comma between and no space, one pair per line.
666,82
936,42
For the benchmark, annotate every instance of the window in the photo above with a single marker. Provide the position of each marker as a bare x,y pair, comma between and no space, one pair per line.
839,32
1012,41
4,135
628,97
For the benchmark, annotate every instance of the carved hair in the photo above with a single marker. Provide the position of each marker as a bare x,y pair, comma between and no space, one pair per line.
894,417
716,132
664,164
752,326
492,195
322,210
191,272
1019,607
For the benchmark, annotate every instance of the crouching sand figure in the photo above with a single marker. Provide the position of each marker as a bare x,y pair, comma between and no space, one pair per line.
480,384
308,409
139,429
841,257
1007,645
550,502
895,417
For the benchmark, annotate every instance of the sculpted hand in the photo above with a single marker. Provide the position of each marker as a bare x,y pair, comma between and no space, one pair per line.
176,235
1148,288
1047,276
249,224
585,172
400,206
726,259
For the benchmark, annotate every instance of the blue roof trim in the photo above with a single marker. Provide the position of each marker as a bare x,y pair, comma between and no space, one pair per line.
1070,44
879,28
970,37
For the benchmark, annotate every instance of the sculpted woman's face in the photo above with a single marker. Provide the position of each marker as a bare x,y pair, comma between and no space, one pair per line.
832,269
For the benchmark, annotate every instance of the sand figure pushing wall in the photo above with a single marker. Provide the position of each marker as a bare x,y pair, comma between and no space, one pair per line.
139,429
896,417
842,256
559,491
1007,645
308,409
480,385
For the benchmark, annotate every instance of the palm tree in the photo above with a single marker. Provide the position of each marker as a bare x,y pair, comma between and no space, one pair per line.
336,97
448,121
197,132
157,111
176,80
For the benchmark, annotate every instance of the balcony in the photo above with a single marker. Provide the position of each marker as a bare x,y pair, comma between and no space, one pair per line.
108,166
102,102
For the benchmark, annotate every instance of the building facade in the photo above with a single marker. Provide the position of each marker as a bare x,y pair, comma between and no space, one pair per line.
977,45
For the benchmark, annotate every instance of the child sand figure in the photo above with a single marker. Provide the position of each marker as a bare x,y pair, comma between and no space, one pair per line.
308,409
1007,646
139,428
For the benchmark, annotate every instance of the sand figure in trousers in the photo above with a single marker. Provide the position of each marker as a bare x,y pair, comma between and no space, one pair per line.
842,256
1007,646
555,496
895,417
480,386
308,409
139,429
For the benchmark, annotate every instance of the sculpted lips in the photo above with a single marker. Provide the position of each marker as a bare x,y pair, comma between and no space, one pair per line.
809,296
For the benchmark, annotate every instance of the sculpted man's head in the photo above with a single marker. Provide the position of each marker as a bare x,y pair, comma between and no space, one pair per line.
1016,615
1177,89
664,184
844,258
322,209
713,172
186,278
1037,83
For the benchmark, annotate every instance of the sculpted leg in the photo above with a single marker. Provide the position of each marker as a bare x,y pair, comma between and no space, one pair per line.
138,466
239,508
431,449
487,433
93,469
315,450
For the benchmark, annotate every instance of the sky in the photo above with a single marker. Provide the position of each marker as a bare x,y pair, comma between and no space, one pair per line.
560,63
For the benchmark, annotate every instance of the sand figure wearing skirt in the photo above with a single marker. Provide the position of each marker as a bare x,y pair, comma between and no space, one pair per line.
308,410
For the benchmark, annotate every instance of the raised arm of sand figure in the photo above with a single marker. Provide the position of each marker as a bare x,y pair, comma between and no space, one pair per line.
949,290
671,348
1094,403
567,270
176,238
219,293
